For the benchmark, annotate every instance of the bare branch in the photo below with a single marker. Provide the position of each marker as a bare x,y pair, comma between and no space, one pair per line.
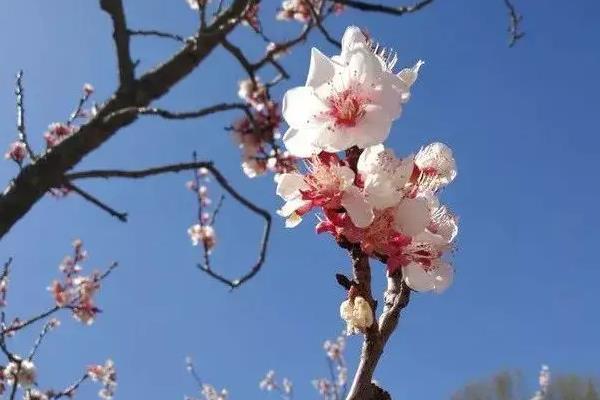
114,8
70,390
193,114
223,182
319,22
36,179
396,298
86,196
514,27
20,94
399,10
159,34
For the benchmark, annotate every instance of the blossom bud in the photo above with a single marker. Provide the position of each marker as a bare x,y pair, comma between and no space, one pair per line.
357,313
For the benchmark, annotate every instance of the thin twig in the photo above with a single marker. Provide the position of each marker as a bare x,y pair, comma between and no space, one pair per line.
514,27
159,34
20,95
47,328
385,9
174,168
319,22
193,114
121,216
68,392
53,309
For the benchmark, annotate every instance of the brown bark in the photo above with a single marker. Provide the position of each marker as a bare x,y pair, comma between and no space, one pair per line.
396,297
47,171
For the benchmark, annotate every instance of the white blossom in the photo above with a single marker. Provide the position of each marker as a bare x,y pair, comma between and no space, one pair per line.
23,371
350,100
438,277
437,165
385,176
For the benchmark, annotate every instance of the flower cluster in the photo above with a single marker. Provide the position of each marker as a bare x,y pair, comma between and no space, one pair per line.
371,198
202,232
76,291
105,375
17,152
269,383
250,16
256,132
23,372
210,393
303,10
57,132
328,389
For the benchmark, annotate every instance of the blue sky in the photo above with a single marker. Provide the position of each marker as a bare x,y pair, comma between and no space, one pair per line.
522,122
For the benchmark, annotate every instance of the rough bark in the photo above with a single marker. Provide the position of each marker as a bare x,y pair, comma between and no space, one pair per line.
47,171
396,297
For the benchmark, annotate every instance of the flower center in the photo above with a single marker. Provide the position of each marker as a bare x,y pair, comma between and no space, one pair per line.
347,108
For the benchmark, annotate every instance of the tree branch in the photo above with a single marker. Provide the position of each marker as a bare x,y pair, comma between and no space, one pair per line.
399,10
223,182
396,298
35,180
98,203
114,8
193,114
20,95
514,27
155,33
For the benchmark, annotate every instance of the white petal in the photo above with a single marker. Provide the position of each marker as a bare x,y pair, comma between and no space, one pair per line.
373,129
443,276
300,143
353,38
369,159
301,107
363,67
293,221
346,176
438,157
333,139
291,206
321,69
412,216
410,75
289,185
381,193
417,278
359,210
393,93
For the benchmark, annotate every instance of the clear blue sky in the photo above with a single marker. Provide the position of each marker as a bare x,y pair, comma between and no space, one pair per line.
524,126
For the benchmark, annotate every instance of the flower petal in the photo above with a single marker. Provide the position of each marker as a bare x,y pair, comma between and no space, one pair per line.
333,139
410,75
443,276
288,185
353,38
373,129
412,216
417,278
300,143
291,206
321,69
369,159
359,210
346,176
363,67
301,107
